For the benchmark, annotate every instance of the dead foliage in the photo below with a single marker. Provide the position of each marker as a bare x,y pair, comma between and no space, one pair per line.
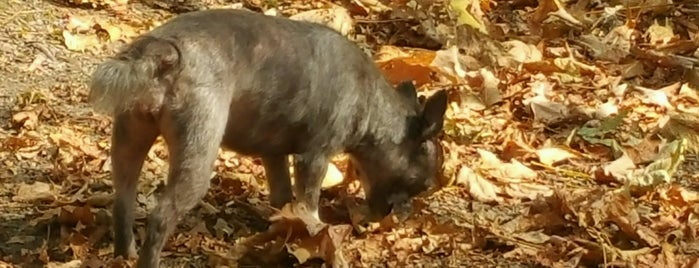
571,139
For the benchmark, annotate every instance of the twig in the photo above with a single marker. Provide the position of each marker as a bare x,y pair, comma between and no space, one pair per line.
565,172
632,8
15,15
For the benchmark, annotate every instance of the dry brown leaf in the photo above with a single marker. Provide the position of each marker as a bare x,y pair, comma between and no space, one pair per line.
633,69
522,52
678,196
36,192
613,47
536,237
512,172
298,211
545,110
79,42
335,17
84,215
372,5
26,119
398,64
70,264
79,245
490,93
478,187
448,63
688,92
292,223
620,167
66,136
325,245
529,191
643,151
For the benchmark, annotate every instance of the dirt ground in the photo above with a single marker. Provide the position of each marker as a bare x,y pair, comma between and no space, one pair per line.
55,188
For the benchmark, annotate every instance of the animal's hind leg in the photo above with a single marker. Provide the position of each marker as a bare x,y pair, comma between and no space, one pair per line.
193,133
132,138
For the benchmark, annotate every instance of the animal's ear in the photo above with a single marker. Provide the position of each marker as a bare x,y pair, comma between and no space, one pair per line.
433,114
407,90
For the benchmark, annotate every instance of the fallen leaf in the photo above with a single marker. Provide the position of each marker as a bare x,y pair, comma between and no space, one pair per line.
333,177
26,119
606,109
79,24
490,93
298,211
478,187
512,172
658,34
36,192
522,52
36,63
335,17
373,5
113,32
468,12
530,191
545,110
448,63
79,245
552,155
398,64
620,167
70,264
79,42
656,97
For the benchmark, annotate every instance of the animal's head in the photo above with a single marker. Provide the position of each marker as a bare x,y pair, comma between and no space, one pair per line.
393,172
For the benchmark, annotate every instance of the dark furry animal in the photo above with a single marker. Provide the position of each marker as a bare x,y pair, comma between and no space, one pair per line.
262,86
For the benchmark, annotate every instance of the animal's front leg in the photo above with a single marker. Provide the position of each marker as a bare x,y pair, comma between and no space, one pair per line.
278,180
309,172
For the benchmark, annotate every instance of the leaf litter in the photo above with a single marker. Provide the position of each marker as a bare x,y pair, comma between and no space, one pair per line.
571,140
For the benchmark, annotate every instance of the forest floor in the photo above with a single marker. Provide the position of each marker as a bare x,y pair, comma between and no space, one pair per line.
573,146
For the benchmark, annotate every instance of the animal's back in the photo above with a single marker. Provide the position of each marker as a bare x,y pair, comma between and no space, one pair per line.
292,85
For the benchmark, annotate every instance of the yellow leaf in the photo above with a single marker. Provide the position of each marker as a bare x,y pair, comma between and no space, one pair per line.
332,177
659,34
112,31
79,23
550,156
78,42
464,10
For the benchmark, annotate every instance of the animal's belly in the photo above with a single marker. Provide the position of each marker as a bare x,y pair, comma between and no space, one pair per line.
264,139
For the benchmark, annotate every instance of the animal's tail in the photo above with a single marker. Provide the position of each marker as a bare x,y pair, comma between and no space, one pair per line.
133,76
